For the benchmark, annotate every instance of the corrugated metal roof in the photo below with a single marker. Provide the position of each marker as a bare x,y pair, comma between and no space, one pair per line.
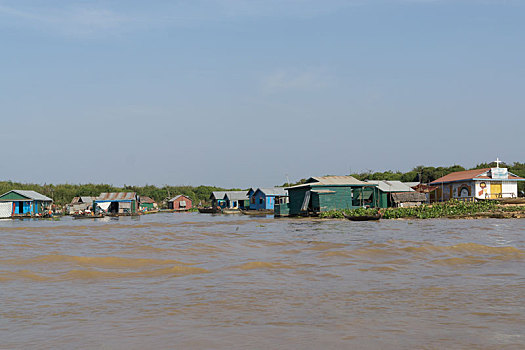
117,196
236,195
177,197
274,191
146,199
337,180
470,175
31,195
461,175
390,186
409,197
411,184
217,195
331,180
86,199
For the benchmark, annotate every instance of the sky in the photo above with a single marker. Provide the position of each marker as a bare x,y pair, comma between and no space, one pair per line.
248,93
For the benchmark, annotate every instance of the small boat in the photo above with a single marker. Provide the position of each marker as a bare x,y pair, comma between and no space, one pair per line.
209,210
231,211
363,217
88,216
262,212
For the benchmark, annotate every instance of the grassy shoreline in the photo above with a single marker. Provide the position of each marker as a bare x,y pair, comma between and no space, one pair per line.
452,210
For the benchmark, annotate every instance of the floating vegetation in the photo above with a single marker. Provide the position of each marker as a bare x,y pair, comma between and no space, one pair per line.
453,208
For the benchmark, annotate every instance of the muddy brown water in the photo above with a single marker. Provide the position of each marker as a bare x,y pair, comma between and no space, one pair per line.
196,281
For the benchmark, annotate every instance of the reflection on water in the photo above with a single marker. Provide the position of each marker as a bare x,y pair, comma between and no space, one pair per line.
199,281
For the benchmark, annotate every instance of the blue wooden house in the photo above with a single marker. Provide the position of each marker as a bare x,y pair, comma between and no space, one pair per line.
217,199
236,199
250,193
265,198
25,203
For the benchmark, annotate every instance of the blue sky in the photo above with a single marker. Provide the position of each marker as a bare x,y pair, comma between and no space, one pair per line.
243,93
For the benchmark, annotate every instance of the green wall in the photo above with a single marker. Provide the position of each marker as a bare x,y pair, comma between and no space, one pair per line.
338,197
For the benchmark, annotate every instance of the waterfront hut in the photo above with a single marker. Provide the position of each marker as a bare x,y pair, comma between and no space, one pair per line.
250,194
320,194
217,199
265,198
407,199
237,199
180,203
117,203
81,203
24,203
387,189
147,204
487,183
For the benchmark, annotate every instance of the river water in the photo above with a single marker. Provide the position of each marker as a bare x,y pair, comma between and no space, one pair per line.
197,281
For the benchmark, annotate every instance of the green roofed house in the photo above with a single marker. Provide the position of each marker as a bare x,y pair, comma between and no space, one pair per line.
321,194
23,203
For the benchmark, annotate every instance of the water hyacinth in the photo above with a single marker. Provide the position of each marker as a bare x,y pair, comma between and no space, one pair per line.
451,208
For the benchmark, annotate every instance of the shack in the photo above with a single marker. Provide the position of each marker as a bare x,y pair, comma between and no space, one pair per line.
387,189
237,199
81,203
266,198
180,203
217,199
117,203
148,204
320,194
408,199
24,203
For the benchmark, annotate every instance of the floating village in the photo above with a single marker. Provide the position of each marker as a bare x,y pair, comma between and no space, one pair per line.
313,198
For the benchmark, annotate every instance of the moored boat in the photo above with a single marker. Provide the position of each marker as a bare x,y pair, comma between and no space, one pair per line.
363,217
88,216
231,211
261,212
209,210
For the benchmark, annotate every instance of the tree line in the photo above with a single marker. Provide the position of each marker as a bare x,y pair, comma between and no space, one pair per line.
64,193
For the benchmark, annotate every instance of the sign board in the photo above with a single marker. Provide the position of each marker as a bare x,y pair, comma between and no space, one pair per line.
499,173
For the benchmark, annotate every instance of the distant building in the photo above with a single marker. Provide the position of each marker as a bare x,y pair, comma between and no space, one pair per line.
147,203
386,191
488,183
408,199
180,203
217,199
265,198
23,203
81,203
117,203
237,199
320,194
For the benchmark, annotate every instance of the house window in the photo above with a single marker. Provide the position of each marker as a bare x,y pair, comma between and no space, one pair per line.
261,201
253,200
